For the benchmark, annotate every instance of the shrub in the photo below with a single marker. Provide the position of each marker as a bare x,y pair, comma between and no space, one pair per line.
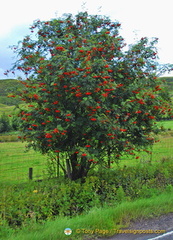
5,125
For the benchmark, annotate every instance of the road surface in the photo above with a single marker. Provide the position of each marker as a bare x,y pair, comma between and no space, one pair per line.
162,223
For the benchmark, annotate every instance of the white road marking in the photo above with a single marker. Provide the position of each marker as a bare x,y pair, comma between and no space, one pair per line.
164,235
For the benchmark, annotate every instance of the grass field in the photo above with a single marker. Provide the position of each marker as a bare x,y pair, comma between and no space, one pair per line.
160,151
15,162
8,110
166,124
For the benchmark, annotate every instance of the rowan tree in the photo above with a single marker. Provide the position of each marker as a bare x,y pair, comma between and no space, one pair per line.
87,100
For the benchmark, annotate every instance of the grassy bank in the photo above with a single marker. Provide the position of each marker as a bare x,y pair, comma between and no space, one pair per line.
98,222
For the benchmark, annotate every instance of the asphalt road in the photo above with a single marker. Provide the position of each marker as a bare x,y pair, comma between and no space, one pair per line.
164,222
166,236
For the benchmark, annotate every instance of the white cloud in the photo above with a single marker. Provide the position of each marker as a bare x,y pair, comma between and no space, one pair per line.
19,12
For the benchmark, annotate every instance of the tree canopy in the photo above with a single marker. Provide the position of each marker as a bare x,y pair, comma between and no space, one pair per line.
88,100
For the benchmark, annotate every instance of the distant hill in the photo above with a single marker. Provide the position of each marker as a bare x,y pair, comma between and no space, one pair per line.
12,86
9,86
168,82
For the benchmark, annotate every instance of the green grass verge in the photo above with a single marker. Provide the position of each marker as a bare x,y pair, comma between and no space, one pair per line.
98,222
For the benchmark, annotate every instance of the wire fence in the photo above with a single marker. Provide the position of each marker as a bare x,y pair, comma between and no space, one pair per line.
17,165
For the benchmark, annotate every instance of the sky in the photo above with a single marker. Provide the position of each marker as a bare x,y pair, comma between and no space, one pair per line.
149,18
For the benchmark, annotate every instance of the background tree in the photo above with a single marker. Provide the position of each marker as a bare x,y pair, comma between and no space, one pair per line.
87,100
5,125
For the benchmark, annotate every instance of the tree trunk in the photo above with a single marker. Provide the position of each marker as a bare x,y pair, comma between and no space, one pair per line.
68,168
109,157
75,170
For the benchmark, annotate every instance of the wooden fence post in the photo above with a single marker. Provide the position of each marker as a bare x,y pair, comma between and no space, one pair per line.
30,173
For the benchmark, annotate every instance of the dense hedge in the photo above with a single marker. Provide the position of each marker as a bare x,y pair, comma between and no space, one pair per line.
40,201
